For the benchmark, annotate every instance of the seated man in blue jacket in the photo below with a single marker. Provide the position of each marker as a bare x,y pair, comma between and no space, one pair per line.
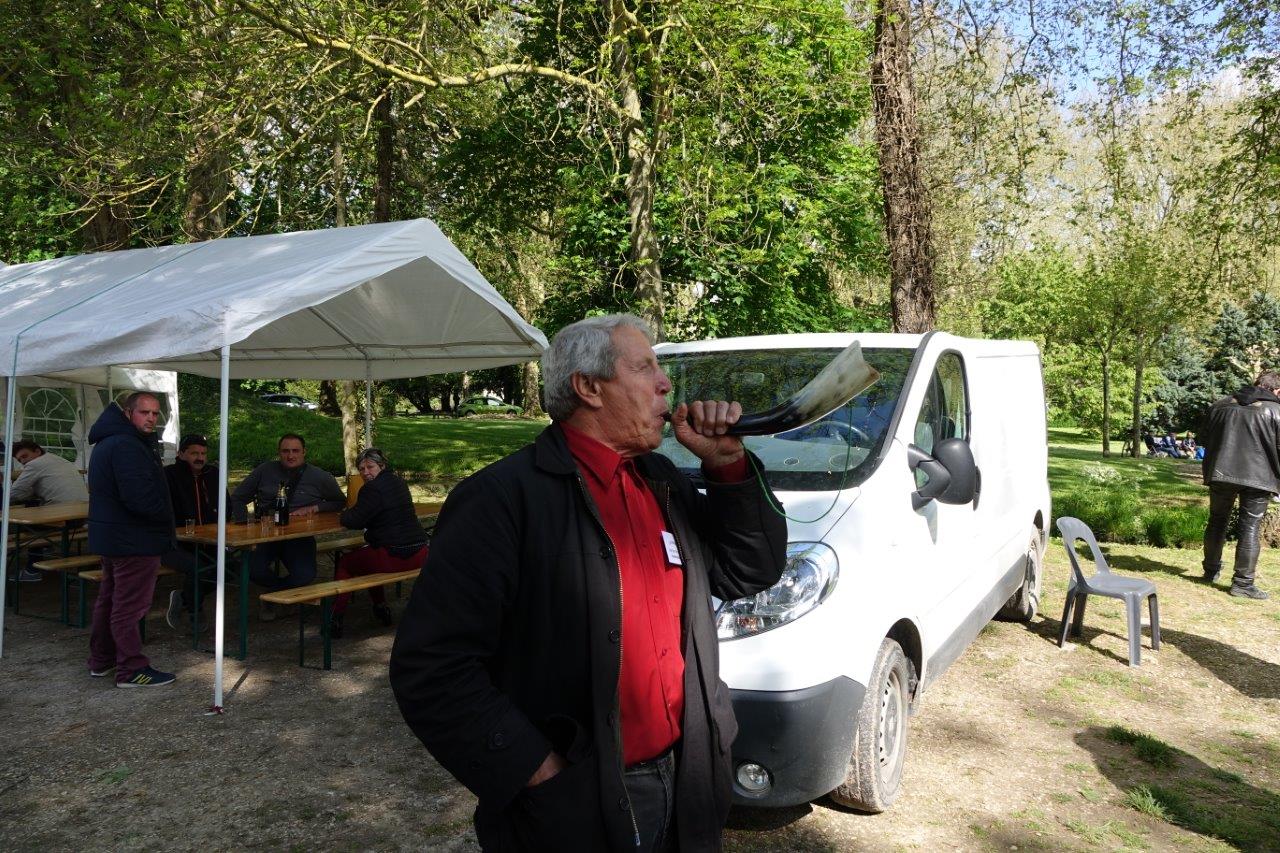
309,490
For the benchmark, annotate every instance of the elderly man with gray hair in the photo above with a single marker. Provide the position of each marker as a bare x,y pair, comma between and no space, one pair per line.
558,655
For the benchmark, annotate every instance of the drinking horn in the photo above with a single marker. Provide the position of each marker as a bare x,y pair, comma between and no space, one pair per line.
847,376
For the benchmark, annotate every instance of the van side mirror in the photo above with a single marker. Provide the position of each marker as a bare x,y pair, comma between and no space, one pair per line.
951,472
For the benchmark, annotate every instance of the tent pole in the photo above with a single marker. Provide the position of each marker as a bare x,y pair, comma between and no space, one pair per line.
220,615
4,518
368,404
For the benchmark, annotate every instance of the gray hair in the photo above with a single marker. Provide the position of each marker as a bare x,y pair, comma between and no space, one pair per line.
584,347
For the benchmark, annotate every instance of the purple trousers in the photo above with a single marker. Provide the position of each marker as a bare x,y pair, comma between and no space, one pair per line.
124,596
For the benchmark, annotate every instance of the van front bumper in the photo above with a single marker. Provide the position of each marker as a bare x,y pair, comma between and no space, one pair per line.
802,737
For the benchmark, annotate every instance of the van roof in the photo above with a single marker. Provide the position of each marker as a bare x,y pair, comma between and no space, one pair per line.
804,340
838,340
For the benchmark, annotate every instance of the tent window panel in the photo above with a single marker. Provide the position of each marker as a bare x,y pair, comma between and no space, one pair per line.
49,419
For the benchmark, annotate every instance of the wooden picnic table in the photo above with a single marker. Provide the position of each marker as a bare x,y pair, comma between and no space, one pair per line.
49,515
243,536
59,515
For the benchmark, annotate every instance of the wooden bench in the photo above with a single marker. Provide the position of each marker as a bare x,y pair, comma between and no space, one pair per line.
323,595
342,543
95,576
66,567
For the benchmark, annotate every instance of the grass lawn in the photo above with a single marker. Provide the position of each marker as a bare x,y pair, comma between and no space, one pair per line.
1159,501
439,451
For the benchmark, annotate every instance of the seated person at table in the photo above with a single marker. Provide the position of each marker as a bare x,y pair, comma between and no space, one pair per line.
46,478
309,490
193,489
397,542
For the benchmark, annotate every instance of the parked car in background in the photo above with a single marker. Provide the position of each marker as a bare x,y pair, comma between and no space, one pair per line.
292,401
486,404
915,514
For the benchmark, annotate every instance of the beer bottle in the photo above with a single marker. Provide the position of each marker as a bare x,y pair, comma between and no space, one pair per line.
280,513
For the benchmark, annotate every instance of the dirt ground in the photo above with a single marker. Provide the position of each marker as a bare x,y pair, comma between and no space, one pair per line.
1016,747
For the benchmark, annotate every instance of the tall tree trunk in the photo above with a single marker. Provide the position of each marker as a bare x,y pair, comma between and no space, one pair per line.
1135,429
1106,403
643,141
348,402
384,157
107,229
907,213
204,216
339,186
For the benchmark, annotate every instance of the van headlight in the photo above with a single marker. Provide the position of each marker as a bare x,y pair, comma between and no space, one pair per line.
807,580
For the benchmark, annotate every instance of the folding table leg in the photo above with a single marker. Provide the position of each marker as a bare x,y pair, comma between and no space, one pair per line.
84,603
66,608
326,617
302,635
244,604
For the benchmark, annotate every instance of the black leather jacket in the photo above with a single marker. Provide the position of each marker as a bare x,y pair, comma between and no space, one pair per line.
510,646
1242,440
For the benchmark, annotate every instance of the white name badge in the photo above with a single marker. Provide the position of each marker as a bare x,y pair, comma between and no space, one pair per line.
673,553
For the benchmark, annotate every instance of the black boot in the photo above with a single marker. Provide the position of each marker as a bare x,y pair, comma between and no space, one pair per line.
382,613
1211,573
335,626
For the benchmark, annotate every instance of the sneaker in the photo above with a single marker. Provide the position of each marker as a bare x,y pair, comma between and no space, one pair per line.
173,616
267,612
382,613
1249,592
101,673
147,677
30,576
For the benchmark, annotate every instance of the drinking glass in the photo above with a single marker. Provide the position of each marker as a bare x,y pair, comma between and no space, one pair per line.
189,526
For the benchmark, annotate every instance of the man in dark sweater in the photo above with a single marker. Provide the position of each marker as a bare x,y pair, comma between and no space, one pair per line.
558,654
130,526
309,490
193,489
1242,460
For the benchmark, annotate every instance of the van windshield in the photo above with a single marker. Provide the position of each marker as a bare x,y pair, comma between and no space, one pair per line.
836,452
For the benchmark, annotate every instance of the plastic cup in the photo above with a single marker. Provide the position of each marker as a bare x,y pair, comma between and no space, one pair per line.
189,526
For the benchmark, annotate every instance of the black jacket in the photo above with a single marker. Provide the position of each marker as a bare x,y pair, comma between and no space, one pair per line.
130,513
384,510
193,497
511,646
1241,437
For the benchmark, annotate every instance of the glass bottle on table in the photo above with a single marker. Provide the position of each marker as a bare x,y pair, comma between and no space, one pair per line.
280,512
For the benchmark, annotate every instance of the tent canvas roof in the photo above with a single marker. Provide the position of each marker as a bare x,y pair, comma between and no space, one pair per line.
372,301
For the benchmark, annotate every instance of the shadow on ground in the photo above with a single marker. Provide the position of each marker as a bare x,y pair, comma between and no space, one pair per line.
1169,784
1254,677
1145,566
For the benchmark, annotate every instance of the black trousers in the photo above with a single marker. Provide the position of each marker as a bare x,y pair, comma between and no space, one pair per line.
651,788
1253,506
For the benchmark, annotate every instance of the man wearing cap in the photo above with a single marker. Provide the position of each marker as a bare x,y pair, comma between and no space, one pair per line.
193,489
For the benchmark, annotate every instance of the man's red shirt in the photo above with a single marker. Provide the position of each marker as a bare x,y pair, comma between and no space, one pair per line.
651,684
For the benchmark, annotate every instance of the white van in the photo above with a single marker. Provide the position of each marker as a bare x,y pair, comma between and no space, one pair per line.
915,514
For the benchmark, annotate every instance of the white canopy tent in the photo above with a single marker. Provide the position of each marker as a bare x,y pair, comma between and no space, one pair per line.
367,302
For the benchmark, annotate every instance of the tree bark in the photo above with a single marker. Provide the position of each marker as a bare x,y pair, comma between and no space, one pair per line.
107,229
339,186
1106,404
1135,429
204,215
643,140
349,403
384,157
907,212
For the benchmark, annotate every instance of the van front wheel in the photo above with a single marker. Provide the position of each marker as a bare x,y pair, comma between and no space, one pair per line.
880,739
